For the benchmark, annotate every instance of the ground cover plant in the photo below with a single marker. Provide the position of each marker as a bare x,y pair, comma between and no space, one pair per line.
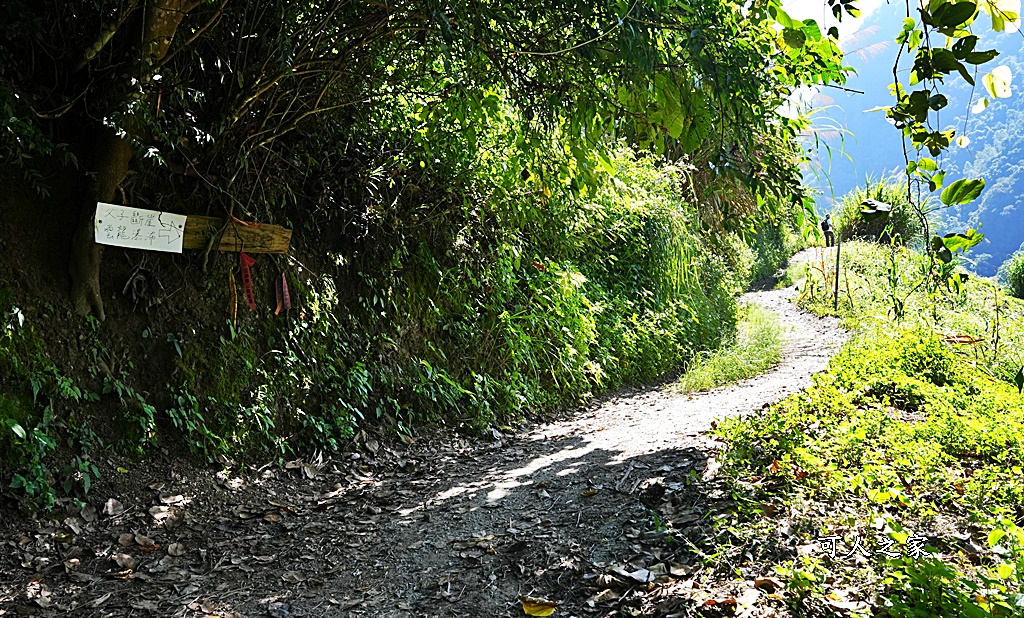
895,477
1012,272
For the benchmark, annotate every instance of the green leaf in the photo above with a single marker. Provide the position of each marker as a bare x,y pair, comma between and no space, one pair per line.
949,15
17,481
962,242
1004,570
981,57
962,191
943,61
997,83
873,209
783,18
964,46
927,164
17,429
1019,380
941,251
794,38
811,30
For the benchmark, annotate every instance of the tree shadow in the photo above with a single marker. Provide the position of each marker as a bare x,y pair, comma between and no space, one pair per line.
438,528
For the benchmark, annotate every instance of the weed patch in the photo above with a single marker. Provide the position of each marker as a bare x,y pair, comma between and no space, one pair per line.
756,347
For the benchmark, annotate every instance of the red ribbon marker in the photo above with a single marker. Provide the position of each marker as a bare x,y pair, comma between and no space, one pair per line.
246,263
284,300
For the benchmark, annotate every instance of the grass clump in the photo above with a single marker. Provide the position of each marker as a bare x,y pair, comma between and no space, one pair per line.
756,348
903,221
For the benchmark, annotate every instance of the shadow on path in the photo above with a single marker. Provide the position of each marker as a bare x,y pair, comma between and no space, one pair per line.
442,527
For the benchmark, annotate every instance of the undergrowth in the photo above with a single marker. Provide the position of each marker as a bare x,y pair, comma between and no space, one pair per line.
898,471
756,348
480,308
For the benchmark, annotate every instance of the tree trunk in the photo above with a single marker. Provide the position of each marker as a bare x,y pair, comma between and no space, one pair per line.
113,156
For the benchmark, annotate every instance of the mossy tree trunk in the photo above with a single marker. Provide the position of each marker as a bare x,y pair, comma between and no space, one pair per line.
114,152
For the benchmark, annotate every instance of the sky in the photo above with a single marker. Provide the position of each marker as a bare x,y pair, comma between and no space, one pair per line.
850,143
819,10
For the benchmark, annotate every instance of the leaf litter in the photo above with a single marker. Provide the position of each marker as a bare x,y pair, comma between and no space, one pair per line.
586,516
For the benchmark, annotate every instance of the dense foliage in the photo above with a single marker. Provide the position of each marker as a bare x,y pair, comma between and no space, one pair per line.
498,208
902,220
1012,272
905,439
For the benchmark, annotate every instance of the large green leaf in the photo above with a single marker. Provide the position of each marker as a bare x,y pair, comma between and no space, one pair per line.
950,15
783,18
981,57
873,210
794,38
962,242
941,251
17,429
962,191
997,82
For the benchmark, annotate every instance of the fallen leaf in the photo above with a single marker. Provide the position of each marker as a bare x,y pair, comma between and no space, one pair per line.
294,577
715,602
533,606
605,596
103,599
176,549
113,507
279,610
125,561
126,540
588,493
640,576
143,540
770,584
89,513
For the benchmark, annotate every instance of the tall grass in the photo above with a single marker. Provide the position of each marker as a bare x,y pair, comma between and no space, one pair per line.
757,348
902,221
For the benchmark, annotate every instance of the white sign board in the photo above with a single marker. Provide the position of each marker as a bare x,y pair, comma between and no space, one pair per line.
137,228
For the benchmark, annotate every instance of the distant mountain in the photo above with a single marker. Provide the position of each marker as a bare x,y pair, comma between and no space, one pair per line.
996,149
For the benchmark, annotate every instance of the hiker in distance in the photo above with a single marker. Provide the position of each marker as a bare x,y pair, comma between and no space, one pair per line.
826,226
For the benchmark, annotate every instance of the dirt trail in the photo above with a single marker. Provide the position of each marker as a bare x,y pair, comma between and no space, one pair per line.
441,527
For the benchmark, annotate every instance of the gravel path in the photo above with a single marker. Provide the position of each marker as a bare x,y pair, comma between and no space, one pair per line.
441,527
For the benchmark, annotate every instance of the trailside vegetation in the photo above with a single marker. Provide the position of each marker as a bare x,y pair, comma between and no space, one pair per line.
756,348
897,469
1012,273
498,209
902,220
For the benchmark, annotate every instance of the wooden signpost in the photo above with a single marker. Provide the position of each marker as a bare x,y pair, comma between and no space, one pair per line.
236,235
138,228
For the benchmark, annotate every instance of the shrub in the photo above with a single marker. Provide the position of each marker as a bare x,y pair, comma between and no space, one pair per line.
904,220
1012,274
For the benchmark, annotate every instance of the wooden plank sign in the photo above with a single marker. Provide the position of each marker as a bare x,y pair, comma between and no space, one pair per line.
138,228
236,235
